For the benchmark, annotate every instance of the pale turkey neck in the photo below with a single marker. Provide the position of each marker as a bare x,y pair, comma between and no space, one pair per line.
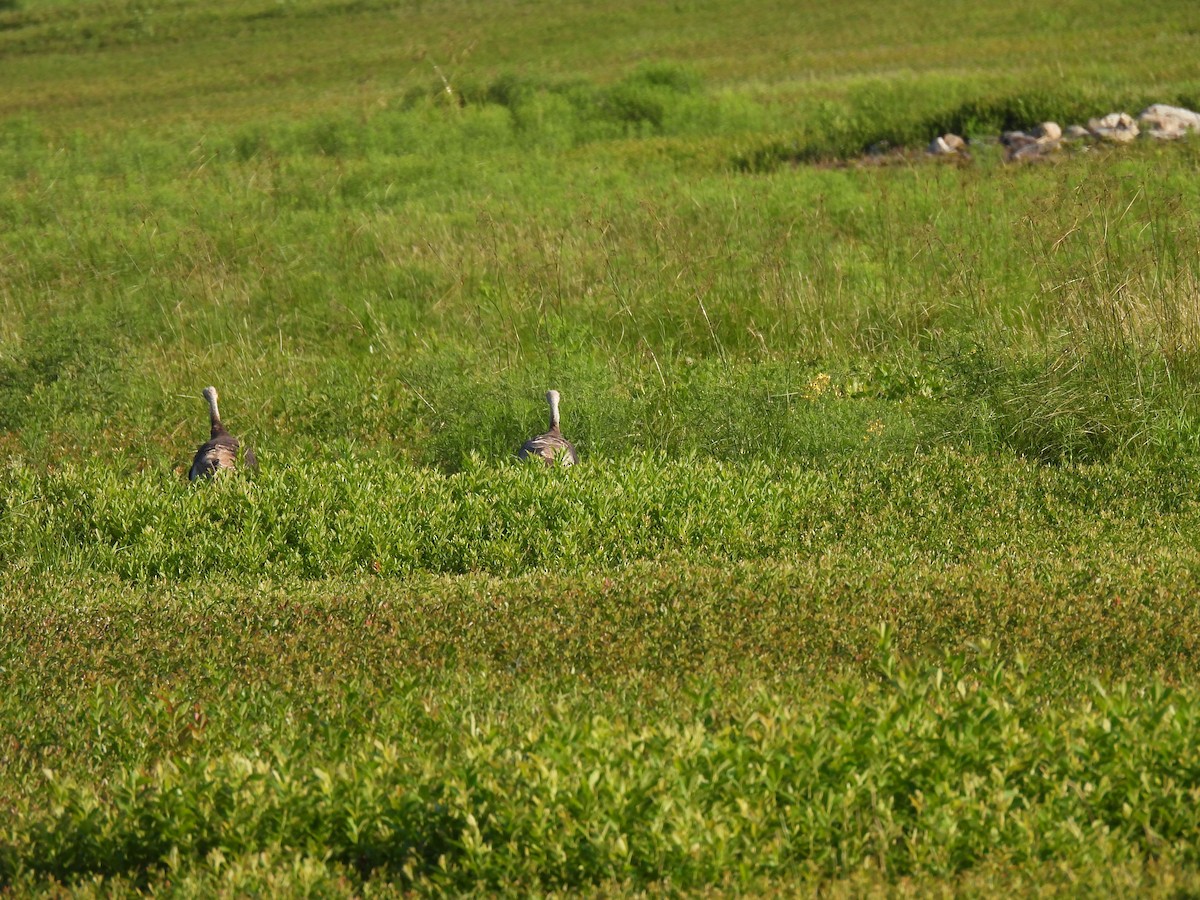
214,415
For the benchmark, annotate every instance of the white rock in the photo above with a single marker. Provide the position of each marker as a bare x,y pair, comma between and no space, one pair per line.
1118,127
947,145
1168,122
1048,131
1076,132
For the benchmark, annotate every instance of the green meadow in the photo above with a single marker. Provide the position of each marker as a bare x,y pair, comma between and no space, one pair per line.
877,575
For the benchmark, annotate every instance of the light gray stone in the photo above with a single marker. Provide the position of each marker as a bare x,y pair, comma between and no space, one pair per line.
1034,151
1015,140
1168,122
1117,127
1048,131
1036,144
947,145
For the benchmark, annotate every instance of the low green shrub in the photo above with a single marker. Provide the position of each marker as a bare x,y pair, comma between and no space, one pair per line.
917,771
340,514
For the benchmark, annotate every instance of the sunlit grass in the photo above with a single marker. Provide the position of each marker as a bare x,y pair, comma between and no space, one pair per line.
877,573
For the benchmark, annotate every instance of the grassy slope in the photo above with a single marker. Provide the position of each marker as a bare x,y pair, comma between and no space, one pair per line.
814,401
233,61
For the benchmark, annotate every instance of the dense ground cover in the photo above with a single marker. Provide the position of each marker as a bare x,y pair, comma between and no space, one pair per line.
878,572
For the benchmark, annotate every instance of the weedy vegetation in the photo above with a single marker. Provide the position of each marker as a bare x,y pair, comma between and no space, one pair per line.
877,574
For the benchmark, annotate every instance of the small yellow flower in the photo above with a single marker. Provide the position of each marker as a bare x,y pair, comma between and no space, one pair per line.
874,429
818,386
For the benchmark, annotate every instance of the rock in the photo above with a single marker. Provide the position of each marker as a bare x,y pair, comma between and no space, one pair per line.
1037,144
1118,127
1048,131
1034,151
1015,140
956,143
947,145
1076,133
1168,122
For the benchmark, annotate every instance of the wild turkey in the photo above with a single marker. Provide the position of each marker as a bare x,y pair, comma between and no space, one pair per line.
222,448
551,447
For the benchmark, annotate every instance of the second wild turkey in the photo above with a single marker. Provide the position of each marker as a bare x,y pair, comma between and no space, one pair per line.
221,450
550,447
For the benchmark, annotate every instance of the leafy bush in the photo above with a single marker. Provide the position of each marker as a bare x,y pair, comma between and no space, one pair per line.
337,514
931,769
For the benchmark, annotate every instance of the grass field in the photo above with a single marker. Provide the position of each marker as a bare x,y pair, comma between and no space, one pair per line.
877,574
